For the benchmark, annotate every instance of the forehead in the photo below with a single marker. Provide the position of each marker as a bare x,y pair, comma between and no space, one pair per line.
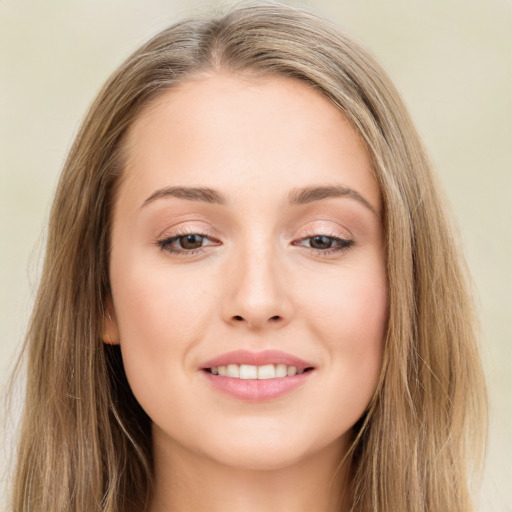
240,130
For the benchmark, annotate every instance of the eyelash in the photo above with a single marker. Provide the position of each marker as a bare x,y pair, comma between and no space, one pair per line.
343,244
165,243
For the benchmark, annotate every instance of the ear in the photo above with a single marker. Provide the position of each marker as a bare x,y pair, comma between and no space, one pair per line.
110,333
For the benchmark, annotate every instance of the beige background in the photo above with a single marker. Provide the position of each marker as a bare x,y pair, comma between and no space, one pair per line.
452,61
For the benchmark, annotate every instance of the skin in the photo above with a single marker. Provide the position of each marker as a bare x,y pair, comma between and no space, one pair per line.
259,281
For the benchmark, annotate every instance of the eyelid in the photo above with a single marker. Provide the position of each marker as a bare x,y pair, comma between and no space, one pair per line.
165,241
324,225
346,243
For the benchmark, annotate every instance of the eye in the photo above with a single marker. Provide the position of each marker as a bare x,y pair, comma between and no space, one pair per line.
324,244
321,242
186,243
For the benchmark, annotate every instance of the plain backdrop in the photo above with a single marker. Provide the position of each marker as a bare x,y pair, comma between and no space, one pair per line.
451,60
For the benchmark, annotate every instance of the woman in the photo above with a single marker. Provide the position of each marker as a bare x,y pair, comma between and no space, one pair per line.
248,216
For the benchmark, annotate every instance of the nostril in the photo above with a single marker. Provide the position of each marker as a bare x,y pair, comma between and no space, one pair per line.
240,318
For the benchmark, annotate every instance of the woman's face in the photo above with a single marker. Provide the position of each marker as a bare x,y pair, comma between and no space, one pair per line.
247,246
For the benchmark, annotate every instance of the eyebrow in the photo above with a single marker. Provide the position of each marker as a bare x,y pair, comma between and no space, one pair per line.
204,194
306,195
297,196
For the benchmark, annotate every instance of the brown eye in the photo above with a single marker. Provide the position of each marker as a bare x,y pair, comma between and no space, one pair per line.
187,244
321,242
325,245
192,241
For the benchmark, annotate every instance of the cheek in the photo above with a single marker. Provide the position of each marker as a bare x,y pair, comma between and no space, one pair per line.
161,317
348,312
153,303
350,304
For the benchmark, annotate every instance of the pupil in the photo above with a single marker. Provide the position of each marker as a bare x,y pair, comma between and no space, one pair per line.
191,241
321,242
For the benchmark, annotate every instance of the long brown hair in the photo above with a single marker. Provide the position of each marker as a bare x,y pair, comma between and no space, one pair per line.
85,443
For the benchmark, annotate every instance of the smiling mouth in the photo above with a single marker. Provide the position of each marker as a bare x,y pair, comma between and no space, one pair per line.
252,372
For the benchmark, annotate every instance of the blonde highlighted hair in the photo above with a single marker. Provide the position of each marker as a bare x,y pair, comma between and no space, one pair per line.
85,442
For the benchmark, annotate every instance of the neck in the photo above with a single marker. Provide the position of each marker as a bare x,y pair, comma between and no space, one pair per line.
186,482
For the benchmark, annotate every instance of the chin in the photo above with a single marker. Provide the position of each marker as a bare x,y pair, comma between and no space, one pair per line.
271,453
256,458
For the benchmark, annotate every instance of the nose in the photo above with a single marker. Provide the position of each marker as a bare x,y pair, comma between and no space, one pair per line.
257,293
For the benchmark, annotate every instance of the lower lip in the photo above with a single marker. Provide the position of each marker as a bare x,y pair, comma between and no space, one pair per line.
255,390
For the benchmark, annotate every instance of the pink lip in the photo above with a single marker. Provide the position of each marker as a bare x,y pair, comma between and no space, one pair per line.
254,390
257,359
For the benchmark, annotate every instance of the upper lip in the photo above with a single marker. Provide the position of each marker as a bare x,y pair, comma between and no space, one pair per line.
257,359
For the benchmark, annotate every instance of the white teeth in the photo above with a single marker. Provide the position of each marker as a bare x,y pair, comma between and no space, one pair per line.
291,370
266,372
232,371
281,370
249,371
